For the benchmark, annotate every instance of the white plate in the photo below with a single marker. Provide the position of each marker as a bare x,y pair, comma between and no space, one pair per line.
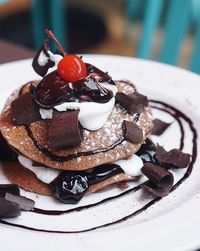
171,224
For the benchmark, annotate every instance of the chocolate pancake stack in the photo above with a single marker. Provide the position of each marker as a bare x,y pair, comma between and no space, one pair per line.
70,134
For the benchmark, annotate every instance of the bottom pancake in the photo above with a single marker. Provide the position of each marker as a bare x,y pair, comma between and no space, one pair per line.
21,176
26,179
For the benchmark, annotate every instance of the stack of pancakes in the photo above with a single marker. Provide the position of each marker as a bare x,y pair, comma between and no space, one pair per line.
102,146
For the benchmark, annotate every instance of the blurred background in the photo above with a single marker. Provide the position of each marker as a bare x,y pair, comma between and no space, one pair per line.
163,30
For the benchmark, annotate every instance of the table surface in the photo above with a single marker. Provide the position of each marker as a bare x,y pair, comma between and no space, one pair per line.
11,52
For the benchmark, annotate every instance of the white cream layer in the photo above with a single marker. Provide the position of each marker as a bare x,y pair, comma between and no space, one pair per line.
44,174
130,166
92,115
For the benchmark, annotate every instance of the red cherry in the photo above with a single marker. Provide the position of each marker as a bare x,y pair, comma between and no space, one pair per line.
72,68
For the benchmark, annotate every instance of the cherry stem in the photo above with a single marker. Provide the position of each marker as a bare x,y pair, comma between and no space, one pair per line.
51,35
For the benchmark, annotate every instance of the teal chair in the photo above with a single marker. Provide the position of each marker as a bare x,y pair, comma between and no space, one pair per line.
179,16
49,14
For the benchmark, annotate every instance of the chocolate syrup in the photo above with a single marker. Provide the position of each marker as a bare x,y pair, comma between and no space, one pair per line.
59,158
177,116
71,186
52,90
102,172
147,152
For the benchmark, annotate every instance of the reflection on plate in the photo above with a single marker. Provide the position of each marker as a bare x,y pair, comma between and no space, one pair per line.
113,209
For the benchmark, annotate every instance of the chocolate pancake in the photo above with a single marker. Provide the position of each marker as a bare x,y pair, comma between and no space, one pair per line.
21,176
26,179
98,147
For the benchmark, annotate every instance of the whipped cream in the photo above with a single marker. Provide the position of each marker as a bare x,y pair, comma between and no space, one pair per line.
43,59
130,166
55,57
92,115
44,174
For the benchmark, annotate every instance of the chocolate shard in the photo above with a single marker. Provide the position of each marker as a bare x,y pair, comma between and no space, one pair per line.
175,157
159,127
132,132
41,62
24,110
133,103
65,130
160,180
23,202
8,209
9,188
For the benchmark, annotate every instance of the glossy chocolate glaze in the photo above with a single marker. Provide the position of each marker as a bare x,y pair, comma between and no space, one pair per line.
71,186
155,105
52,90
102,172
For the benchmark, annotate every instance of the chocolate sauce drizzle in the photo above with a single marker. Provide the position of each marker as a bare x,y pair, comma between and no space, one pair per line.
178,115
58,158
53,90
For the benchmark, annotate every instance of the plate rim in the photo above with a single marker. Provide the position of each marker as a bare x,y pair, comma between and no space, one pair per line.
155,221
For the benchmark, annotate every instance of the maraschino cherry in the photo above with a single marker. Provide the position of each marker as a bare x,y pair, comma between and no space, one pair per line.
71,68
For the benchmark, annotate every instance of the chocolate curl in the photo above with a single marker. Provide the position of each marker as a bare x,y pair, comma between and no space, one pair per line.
23,202
42,69
159,127
160,180
133,103
132,132
24,110
9,209
65,130
174,157
9,188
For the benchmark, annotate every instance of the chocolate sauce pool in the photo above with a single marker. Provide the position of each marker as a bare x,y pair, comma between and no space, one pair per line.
178,116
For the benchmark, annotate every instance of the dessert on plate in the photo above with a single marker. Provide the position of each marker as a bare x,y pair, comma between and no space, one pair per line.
76,130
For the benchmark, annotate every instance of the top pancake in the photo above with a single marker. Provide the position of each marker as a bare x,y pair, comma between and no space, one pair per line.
19,138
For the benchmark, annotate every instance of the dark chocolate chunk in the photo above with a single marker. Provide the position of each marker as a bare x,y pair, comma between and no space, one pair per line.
24,110
104,77
9,188
9,209
65,130
139,100
160,180
6,153
159,127
23,202
132,132
43,51
174,157
133,103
